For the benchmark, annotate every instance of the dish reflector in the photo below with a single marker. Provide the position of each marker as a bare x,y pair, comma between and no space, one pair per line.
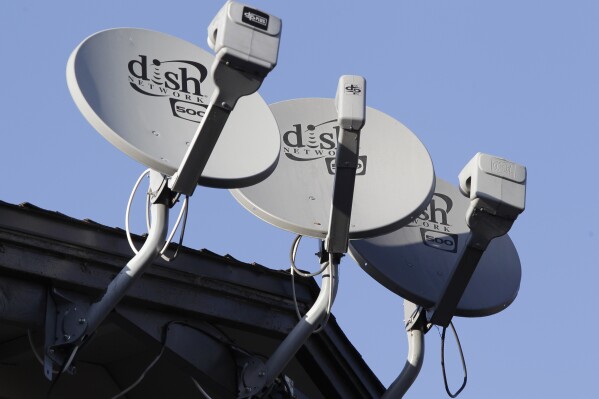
146,93
416,260
394,180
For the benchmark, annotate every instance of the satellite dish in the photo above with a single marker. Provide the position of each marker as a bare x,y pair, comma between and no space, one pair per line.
394,180
416,260
146,93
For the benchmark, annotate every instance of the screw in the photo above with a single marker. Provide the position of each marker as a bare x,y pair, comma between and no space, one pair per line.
67,337
248,389
261,374
51,351
82,320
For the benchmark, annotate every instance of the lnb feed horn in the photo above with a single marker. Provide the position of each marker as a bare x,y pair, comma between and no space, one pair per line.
246,42
497,181
350,102
246,38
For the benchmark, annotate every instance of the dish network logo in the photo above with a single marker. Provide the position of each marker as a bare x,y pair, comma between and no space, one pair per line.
434,224
181,80
310,142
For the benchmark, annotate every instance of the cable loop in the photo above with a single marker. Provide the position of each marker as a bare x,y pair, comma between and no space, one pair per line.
297,312
294,270
182,216
184,210
127,229
292,256
452,395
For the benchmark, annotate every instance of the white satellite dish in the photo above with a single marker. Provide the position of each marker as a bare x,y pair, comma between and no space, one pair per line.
394,181
146,93
153,96
416,260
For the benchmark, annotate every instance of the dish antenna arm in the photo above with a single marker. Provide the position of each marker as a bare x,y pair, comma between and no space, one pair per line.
497,191
350,102
231,85
245,54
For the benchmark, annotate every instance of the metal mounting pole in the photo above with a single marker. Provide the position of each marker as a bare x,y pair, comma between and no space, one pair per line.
259,374
119,286
70,321
302,331
415,329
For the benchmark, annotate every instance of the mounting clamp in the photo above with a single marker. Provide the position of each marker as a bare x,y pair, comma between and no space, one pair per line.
66,323
253,377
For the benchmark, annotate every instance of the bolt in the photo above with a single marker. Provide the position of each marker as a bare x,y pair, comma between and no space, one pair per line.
51,351
261,374
82,320
248,389
66,337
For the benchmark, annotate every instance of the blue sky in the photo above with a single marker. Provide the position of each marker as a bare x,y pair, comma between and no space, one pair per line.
517,79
